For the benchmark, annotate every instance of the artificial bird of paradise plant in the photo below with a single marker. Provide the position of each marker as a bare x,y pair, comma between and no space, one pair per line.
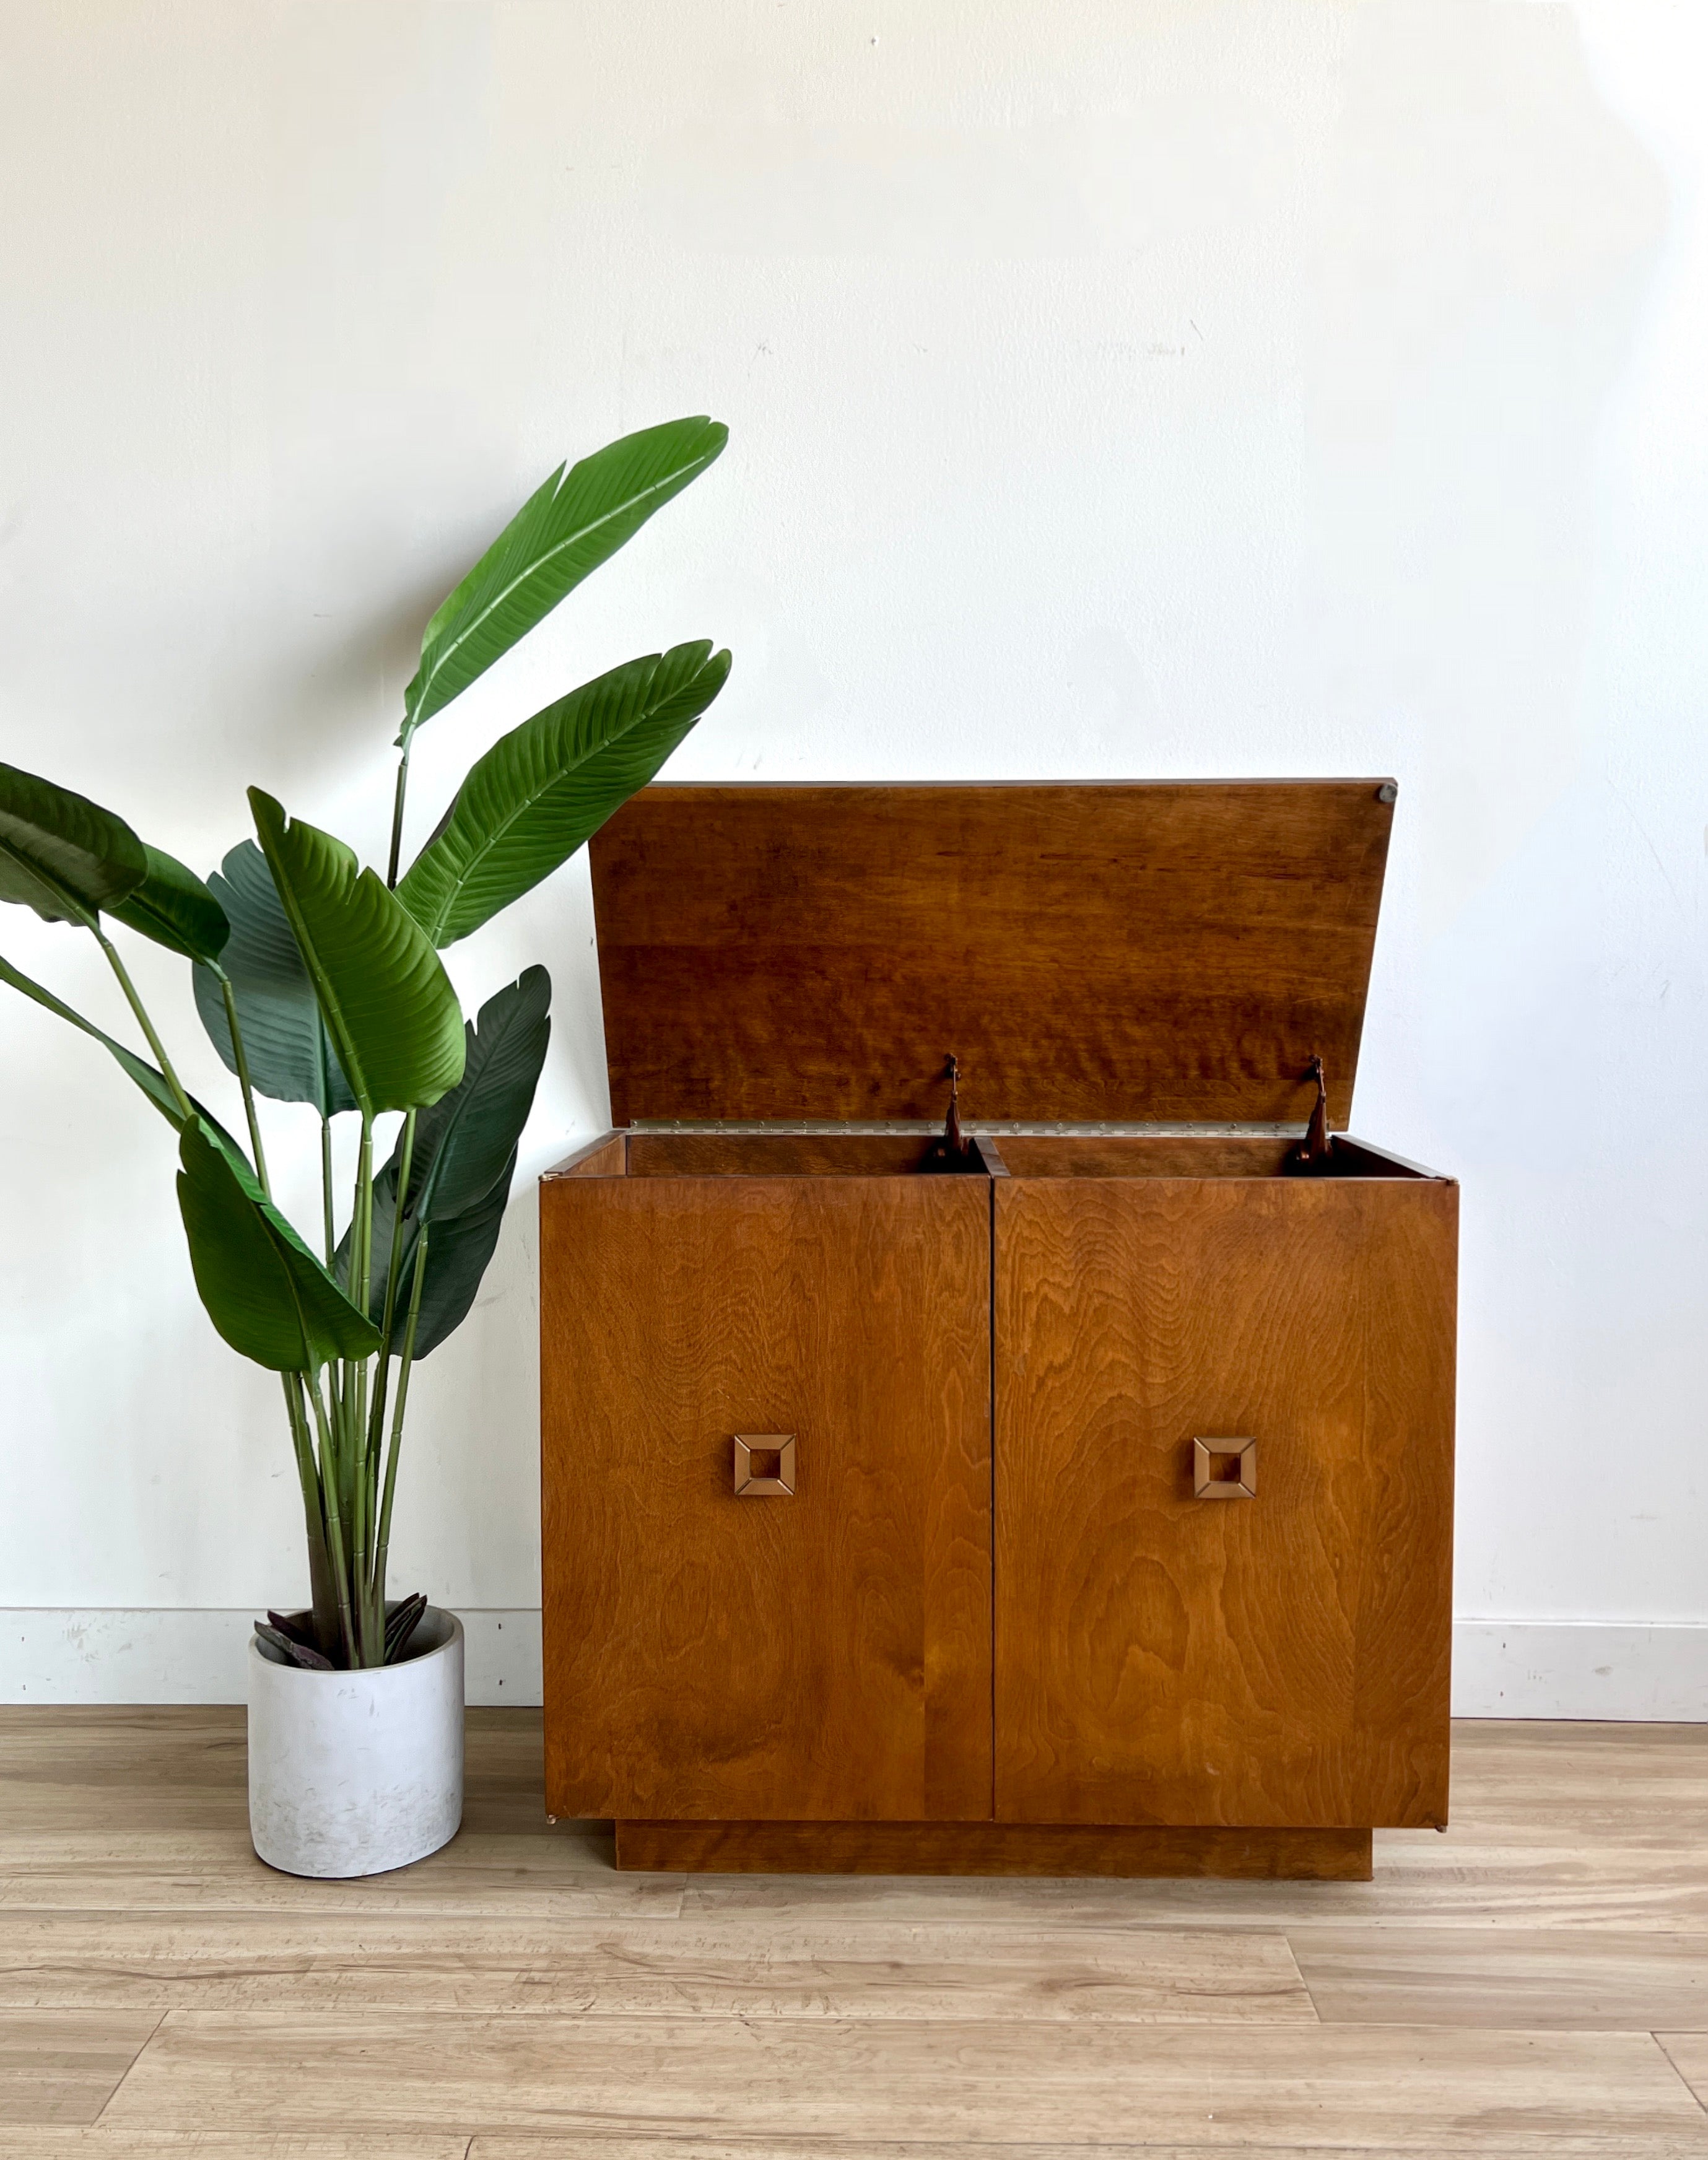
320,984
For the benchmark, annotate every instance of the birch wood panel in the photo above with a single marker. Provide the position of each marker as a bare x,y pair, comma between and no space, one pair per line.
104,2142
1629,1782
1569,1891
158,1870
1164,1659
1572,1978
174,1767
67,1767
824,1653
960,1849
159,1759
62,2065
1688,2054
1543,2145
815,951
1495,1878
288,1964
926,2079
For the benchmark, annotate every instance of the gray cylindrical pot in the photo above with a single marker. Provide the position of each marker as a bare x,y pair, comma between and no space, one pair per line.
351,1773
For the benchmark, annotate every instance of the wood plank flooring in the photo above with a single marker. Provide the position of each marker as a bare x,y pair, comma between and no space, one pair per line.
1534,1981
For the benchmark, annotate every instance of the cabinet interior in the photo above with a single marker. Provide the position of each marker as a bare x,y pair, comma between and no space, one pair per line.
1219,1156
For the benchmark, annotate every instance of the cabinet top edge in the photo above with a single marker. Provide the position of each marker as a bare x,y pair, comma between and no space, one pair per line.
1202,783
924,1127
1402,1168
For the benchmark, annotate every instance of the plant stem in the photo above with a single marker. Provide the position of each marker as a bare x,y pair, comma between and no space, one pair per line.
329,1231
361,1219
356,1281
376,1423
374,1604
326,1188
397,817
350,1489
330,1466
384,1542
143,1021
242,1057
361,1243
322,1591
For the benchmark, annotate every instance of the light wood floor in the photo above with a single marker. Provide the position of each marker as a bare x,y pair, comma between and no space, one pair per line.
1535,1981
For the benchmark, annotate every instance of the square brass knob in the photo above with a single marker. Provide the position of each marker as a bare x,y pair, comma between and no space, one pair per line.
1224,1469
765,1464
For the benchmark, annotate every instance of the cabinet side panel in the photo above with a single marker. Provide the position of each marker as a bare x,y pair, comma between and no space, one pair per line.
1166,1657
821,1655
1405,1617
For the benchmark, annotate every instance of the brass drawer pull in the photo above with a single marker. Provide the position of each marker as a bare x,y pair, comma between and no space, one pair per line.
765,1464
1224,1469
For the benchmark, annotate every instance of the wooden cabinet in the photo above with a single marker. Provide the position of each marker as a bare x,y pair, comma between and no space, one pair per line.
1078,1500
821,1654
1280,1657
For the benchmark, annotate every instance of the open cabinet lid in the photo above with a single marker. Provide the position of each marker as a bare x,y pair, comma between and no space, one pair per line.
1123,951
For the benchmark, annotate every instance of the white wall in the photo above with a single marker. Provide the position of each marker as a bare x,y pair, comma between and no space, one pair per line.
1116,387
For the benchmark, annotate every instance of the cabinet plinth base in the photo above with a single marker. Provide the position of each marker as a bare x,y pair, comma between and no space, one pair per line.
992,1848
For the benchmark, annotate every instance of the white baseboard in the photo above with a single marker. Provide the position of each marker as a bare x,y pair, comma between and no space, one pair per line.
103,1655
1568,1668
1595,1669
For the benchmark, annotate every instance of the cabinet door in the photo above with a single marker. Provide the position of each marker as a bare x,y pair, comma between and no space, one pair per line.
1162,1658
820,1655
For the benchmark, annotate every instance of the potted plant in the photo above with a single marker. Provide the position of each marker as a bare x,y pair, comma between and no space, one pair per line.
320,984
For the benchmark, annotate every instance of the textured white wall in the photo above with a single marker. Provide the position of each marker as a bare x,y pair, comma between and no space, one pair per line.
1117,387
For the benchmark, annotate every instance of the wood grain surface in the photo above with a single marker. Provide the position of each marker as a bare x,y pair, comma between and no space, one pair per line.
1169,1659
569,1870
286,1963
1537,1978
75,1833
818,1656
1688,2054
837,1848
64,2065
1143,1155
1133,950
933,2080
819,2017
775,1154
1519,2141
605,1157
106,2142
1186,1154
1422,1878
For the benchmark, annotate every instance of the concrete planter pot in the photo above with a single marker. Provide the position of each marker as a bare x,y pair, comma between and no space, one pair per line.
351,1773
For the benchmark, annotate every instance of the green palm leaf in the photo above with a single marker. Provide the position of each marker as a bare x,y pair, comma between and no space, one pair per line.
291,1057
464,1147
457,1253
388,1004
264,1291
570,525
464,1141
60,853
547,787
174,907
